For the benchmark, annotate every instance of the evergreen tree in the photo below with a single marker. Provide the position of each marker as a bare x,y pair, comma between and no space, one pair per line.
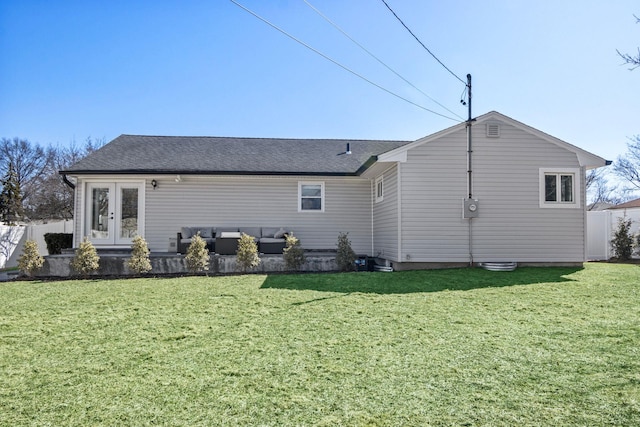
30,261
622,241
86,259
139,261
197,257
10,198
293,253
247,254
346,257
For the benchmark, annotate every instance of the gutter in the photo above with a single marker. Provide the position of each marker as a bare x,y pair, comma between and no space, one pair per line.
69,183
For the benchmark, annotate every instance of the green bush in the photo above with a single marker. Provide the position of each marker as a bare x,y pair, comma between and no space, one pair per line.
346,257
139,261
247,254
622,241
86,259
197,255
293,253
58,241
30,261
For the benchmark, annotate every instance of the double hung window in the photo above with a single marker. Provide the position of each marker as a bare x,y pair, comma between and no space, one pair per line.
311,197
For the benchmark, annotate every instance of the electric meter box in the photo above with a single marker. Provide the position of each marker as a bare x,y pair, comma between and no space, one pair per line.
470,208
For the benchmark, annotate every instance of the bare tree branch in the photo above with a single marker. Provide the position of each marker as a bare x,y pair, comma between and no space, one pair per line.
634,61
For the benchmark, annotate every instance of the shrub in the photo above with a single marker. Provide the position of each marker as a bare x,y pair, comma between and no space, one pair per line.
247,254
30,261
293,253
622,241
86,259
197,255
139,261
58,241
346,257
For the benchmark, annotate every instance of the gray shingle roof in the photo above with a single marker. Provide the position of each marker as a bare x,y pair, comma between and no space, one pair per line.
635,203
220,155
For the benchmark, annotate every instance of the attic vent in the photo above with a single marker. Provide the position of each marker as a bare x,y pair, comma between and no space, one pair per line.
493,130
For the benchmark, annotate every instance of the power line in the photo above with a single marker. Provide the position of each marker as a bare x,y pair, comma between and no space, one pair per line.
337,63
422,44
376,58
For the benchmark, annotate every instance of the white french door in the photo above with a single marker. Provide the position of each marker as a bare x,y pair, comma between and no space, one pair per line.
114,212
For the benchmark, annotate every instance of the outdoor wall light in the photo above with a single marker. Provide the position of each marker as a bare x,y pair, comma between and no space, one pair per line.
178,178
154,183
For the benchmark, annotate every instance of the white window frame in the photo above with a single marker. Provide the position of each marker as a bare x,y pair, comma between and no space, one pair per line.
378,189
322,199
576,187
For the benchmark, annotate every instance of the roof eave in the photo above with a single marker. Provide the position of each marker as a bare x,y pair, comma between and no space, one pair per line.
218,173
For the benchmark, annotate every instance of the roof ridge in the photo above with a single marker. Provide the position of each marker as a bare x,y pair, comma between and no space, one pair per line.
264,138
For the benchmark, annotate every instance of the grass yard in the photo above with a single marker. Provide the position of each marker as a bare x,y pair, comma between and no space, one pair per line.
468,347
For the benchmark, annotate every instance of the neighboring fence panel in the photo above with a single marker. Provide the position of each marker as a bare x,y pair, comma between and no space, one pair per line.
598,235
37,232
12,239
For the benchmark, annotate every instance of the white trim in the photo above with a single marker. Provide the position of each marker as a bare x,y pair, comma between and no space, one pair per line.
397,155
576,187
114,187
399,207
322,198
379,189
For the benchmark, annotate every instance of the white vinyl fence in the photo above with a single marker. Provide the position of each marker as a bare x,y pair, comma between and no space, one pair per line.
600,228
12,239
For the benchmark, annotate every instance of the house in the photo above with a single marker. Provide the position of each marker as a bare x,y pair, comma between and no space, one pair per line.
414,204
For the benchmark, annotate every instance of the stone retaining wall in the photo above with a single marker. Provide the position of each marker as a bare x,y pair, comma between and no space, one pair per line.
169,264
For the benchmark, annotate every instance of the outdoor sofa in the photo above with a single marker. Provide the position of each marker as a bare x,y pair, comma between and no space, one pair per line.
224,240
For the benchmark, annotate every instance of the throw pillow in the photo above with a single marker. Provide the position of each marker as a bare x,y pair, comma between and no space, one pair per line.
205,232
186,232
269,232
280,234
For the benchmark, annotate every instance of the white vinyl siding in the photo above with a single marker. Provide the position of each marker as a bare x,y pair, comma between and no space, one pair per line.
433,184
261,201
77,213
511,225
385,217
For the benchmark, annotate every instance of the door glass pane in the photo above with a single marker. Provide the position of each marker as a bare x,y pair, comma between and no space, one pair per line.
129,217
100,213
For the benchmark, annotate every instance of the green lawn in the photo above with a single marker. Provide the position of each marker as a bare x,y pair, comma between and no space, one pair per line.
538,346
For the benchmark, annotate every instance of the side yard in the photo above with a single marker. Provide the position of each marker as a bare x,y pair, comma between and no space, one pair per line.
538,346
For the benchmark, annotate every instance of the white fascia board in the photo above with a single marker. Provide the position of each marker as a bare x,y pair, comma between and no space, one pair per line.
393,156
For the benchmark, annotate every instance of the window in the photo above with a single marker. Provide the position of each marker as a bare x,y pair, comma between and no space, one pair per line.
558,188
379,189
311,196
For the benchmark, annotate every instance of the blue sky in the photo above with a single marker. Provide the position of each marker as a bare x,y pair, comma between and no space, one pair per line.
73,69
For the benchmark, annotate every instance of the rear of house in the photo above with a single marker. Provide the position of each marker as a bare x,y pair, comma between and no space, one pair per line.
529,187
400,201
